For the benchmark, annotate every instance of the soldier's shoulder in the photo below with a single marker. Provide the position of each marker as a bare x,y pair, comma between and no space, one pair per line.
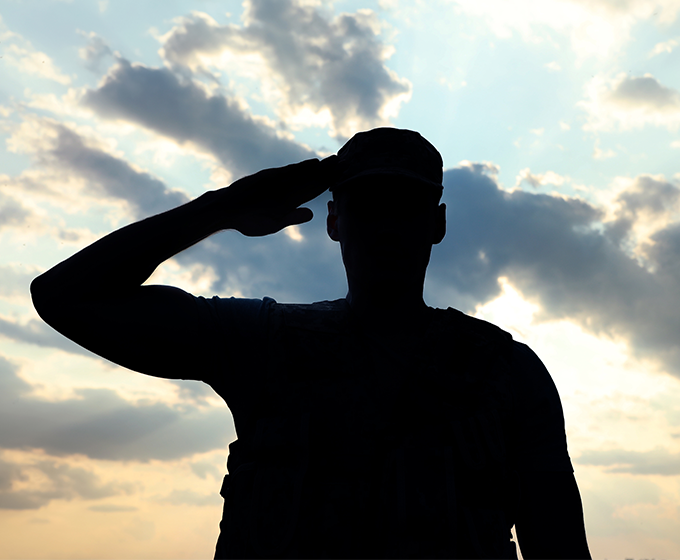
464,324
320,315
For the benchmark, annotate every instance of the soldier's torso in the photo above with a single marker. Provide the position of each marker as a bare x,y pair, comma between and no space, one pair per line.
361,444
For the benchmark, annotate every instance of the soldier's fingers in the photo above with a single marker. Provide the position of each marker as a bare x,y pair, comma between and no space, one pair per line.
298,216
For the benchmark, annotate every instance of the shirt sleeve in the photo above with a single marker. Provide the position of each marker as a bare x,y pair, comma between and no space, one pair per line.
540,440
241,330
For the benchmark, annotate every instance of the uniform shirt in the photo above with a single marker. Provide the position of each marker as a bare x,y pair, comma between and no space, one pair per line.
241,331
240,327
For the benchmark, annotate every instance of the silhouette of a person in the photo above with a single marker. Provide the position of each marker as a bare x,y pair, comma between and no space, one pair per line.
369,426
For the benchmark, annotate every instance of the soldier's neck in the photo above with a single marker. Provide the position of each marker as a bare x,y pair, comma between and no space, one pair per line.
391,308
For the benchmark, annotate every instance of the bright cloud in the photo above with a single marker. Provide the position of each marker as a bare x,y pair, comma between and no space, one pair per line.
20,54
34,62
330,68
540,179
599,28
656,461
664,47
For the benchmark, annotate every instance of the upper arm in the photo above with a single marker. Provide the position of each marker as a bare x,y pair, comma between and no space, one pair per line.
550,517
157,330
540,442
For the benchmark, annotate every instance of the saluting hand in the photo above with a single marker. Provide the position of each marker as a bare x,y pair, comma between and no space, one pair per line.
270,200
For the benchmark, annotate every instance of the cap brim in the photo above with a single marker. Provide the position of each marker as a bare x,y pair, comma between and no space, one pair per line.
395,172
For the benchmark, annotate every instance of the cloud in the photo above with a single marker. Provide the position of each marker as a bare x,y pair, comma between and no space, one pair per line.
195,392
568,256
646,91
539,179
628,102
68,154
19,53
39,333
665,47
657,461
112,508
115,177
94,52
186,112
652,195
643,218
34,485
190,498
599,153
12,212
330,70
598,28
203,468
37,63
15,280
100,424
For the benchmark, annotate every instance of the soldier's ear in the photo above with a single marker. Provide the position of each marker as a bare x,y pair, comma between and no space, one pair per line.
440,225
332,221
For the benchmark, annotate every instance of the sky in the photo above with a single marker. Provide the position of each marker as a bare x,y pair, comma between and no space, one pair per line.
558,124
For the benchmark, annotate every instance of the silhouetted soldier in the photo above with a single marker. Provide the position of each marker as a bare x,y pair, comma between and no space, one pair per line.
369,426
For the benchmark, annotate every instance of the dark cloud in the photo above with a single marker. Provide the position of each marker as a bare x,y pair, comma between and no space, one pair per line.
657,461
100,424
12,212
157,99
647,92
491,231
651,195
323,62
59,482
107,175
664,252
38,332
557,254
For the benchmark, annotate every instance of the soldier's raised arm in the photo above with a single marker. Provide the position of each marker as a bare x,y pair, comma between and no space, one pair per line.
96,297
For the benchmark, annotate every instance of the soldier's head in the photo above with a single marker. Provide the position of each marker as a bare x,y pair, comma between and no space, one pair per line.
386,212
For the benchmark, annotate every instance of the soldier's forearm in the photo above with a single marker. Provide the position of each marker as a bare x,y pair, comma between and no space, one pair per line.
127,257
